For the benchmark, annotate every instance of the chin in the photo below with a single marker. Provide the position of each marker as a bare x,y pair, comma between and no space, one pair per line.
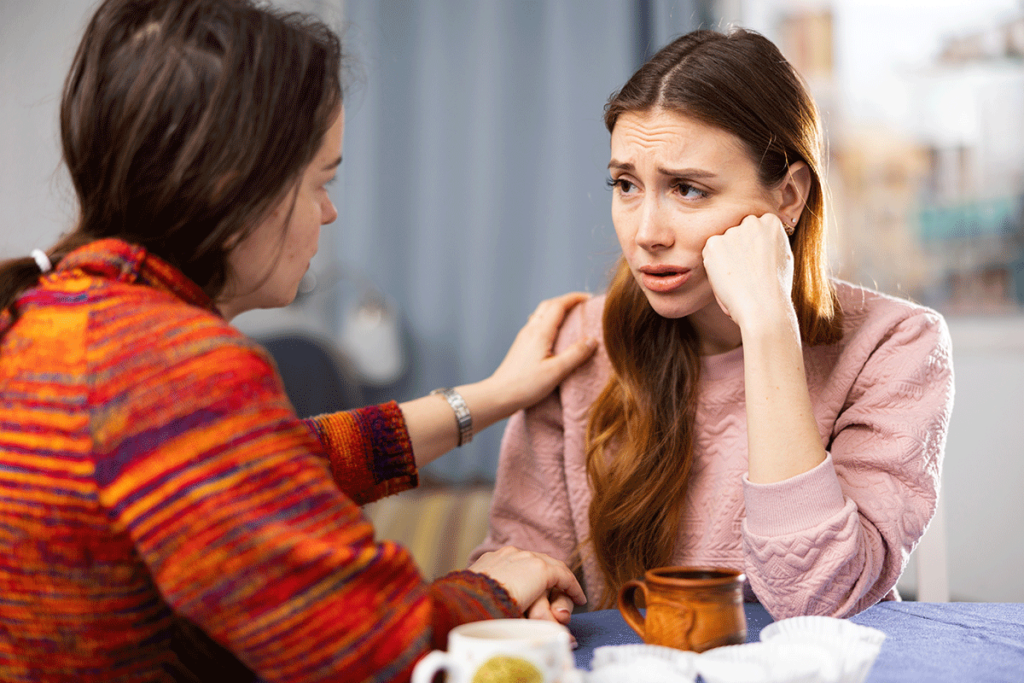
667,307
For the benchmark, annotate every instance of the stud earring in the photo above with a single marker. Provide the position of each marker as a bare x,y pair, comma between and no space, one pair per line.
790,229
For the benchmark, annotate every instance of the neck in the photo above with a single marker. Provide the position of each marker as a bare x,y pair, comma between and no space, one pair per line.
716,330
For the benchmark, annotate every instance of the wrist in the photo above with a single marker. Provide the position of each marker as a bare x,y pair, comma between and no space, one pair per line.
770,322
487,401
463,415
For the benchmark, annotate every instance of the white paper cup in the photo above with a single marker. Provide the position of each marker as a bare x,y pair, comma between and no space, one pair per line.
822,627
856,647
782,662
653,663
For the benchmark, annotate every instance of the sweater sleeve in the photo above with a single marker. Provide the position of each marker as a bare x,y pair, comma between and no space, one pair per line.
229,504
530,508
369,451
834,540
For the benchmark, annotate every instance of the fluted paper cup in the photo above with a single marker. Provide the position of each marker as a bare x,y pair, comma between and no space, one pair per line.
642,663
855,646
782,662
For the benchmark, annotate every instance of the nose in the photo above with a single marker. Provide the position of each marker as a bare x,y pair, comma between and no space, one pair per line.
654,231
328,212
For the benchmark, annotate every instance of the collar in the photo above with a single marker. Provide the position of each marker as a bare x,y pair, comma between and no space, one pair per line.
120,261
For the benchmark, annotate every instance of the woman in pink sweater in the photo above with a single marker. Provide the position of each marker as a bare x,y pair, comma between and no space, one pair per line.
743,409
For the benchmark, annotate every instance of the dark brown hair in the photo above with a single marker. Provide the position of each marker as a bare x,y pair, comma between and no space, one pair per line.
641,428
183,122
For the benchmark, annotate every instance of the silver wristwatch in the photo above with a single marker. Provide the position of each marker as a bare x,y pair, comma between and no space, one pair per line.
462,414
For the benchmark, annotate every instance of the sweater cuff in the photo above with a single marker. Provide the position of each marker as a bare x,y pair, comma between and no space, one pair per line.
464,596
370,451
795,504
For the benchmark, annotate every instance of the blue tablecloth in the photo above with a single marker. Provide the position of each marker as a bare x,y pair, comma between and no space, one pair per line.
957,642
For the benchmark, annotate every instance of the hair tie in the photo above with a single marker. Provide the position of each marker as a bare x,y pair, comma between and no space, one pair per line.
42,260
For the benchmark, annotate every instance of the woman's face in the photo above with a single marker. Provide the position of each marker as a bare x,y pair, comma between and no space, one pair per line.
265,268
676,182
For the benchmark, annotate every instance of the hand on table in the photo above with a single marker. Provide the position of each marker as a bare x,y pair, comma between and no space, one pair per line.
543,587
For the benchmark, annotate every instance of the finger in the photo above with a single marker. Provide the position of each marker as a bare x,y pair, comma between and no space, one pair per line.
568,300
561,607
567,583
725,309
557,307
571,358
558,611
541,609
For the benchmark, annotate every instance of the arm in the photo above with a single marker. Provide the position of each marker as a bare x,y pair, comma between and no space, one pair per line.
751,270
531,506
245,534
835,539
818,536
369,451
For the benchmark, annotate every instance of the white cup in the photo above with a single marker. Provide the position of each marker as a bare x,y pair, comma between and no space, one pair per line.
501,650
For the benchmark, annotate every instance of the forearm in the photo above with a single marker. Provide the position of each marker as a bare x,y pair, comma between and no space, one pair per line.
782,435
431,422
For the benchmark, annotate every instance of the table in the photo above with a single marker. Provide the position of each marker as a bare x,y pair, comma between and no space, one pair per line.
956,642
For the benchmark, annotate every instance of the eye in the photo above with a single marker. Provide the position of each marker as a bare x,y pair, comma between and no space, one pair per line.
688,191
620,184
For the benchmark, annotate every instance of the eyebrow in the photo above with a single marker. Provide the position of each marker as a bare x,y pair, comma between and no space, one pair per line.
333,165
680,173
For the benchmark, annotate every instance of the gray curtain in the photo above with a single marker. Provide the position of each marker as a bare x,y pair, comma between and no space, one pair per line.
473,182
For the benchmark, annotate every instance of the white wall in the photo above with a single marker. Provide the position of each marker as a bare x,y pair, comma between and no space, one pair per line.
37,43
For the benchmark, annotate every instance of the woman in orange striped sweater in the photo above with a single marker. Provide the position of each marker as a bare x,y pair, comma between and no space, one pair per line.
155,482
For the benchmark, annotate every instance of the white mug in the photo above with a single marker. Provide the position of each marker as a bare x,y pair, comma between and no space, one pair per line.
500,650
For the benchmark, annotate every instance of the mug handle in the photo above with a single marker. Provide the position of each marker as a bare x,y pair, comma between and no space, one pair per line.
628,607
435,661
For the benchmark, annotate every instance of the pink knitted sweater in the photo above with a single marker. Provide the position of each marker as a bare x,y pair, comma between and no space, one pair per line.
831,541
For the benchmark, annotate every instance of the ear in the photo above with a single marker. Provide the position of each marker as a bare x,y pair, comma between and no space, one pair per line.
793,191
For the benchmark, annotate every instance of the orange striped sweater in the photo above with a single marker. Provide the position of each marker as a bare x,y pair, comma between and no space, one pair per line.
153,474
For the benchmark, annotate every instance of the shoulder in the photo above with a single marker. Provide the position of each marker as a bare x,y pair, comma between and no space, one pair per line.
886,337
144,331
584,320
582,387
873,318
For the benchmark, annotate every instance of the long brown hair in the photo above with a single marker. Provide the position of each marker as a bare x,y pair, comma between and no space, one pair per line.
183,122
641,429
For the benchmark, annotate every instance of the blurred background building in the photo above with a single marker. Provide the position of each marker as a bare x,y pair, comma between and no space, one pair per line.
473,186
924,104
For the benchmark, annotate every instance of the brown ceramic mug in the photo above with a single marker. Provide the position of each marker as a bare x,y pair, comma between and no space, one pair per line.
688,608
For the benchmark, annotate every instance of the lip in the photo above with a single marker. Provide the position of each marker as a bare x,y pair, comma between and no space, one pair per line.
663,278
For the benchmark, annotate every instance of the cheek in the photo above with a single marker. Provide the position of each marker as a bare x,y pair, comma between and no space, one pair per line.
624,228
717,223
